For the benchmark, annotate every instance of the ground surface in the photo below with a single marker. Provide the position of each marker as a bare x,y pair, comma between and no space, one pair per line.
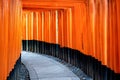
24,74
44,67
75,70
20,72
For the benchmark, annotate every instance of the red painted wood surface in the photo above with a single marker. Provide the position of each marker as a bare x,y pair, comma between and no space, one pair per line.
10,33
90,26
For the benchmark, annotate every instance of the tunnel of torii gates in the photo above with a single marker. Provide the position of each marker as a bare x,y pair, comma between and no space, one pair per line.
84,33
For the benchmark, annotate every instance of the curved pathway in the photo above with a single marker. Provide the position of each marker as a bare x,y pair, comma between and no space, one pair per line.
43,68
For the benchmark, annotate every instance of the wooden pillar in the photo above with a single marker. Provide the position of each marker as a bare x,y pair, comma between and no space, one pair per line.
69,27
53,25
40,26
81,28
10,20
60,24
113,35
30,25
4,21
118,30
46,26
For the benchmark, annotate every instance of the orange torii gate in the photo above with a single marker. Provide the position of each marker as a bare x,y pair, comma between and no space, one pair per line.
83,26
85,33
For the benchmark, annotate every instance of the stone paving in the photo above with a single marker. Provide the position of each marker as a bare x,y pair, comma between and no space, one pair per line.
75,70
41,67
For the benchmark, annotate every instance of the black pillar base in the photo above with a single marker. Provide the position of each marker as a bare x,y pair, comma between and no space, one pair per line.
15,72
